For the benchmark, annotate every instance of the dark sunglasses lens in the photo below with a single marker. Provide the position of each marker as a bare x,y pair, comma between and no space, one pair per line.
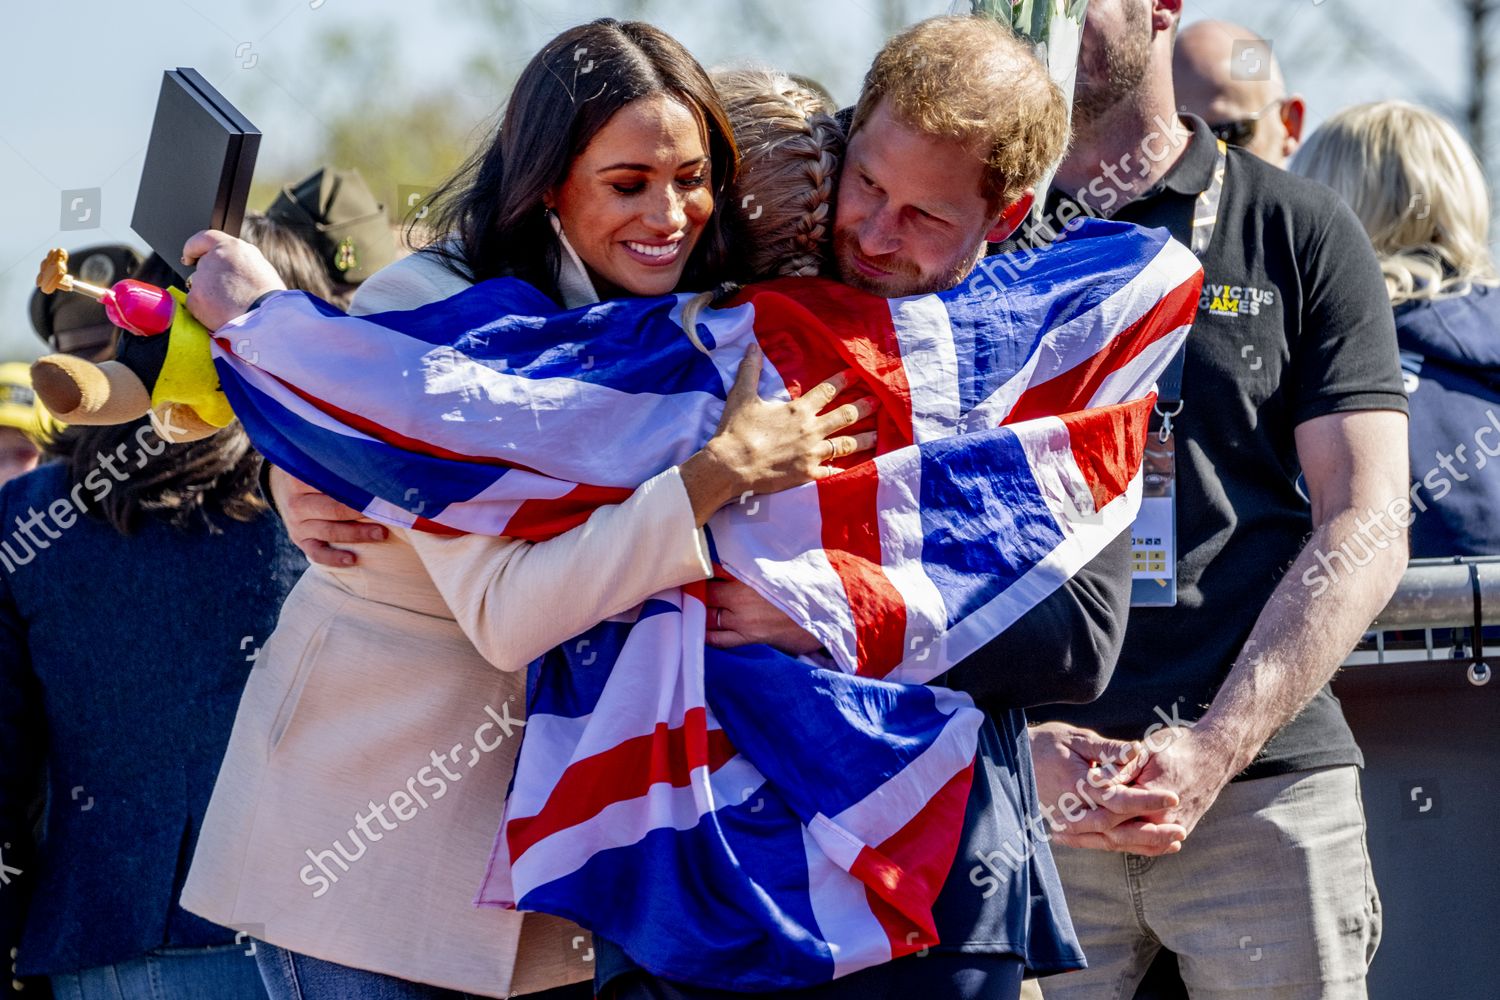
1235,133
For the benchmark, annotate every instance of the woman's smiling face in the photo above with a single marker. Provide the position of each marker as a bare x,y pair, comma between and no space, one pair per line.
636,200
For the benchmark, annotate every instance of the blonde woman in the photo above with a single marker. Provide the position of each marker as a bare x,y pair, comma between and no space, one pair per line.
1418,190
791,150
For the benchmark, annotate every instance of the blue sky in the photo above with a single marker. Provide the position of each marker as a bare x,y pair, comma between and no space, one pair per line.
80,79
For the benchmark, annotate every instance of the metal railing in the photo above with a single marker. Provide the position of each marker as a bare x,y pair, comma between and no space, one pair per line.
1459,596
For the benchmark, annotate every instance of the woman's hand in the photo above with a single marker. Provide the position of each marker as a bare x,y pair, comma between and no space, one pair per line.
317,522
763,447
738,616
231,274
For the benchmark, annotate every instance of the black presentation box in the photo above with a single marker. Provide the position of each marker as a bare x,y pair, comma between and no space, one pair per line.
198,167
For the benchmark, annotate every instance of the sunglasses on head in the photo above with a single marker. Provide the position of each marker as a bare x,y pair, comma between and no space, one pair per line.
1241,131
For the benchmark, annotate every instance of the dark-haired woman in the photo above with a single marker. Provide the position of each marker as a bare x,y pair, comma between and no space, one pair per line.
364,782
137,581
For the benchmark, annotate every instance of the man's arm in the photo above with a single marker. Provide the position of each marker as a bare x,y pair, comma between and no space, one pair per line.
1062,650
1356,469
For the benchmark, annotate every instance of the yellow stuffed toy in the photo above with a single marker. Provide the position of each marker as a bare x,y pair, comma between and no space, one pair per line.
162,366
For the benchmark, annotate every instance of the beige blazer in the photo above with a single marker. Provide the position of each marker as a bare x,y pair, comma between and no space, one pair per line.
363,784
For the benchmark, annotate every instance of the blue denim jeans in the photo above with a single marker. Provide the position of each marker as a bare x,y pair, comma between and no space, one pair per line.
225,972
291,976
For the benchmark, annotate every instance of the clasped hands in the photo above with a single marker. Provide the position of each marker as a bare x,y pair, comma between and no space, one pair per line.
1132,796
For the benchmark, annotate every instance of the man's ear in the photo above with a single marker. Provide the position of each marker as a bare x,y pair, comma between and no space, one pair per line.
1293,115
1165,15
1010,220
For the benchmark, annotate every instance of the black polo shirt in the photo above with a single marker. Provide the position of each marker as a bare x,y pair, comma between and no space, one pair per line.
1294,323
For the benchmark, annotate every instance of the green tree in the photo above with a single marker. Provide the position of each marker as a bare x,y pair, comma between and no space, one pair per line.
396,137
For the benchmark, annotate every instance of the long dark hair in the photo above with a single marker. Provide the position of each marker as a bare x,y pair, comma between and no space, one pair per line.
489,218
186,485
192,484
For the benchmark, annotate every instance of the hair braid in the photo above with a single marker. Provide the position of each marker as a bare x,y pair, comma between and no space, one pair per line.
791,149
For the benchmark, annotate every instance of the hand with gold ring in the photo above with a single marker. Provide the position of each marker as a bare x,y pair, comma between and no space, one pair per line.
767,446
752,619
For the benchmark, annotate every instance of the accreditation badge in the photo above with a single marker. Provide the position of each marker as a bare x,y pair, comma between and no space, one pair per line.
1153,536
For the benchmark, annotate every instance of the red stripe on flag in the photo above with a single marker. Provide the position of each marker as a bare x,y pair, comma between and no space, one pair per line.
536,520
851,540
809,330
1072,389
1108,443
378,431
904,875
434,528
698,591
627,771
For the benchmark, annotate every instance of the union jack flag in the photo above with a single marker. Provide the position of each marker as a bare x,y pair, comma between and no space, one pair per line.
743,819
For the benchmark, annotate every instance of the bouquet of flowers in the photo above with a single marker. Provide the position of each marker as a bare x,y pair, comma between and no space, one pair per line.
1054,28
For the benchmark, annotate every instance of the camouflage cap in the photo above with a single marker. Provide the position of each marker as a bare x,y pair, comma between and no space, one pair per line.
76,324
336,213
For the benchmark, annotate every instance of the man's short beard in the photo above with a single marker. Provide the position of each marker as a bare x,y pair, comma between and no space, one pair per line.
907,279
1118,71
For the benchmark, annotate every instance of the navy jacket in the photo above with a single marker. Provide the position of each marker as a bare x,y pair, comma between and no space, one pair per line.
121,666
1450,356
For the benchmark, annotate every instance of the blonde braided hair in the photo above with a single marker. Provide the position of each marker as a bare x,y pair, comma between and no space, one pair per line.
780,216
